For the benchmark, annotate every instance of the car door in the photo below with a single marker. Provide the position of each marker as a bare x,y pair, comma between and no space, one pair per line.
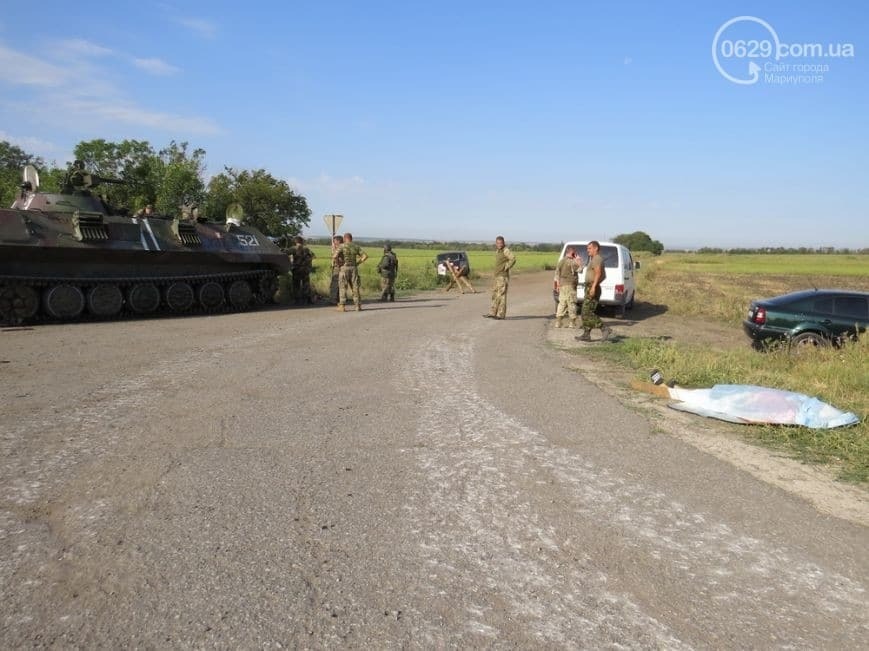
850,314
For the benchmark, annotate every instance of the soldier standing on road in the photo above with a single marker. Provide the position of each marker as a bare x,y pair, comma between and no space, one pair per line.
566,271
337,263
388,269
504,260
303,263
348,278
595,274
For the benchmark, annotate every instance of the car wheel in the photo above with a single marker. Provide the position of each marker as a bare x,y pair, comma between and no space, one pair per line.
630,304
808,340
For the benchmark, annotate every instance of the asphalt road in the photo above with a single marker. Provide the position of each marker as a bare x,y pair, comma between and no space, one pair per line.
409,476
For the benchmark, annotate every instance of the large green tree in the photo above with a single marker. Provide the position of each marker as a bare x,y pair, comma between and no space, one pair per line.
269,204
640,241
181,173
133,161
12,161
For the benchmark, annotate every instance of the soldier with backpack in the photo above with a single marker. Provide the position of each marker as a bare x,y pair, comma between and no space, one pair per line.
388,269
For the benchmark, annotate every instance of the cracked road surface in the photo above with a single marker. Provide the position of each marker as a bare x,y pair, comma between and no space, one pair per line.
409,476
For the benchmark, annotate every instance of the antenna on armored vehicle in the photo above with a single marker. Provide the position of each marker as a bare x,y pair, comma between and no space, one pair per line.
234,214
30,178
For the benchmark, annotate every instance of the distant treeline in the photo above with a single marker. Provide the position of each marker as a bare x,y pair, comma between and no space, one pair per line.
555,247
782,250
428,245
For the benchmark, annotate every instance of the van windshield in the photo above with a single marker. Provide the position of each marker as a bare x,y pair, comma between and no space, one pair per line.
610,256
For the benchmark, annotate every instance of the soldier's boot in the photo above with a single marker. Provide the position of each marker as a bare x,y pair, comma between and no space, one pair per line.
358,307
392,298
572,323
340,307
585,336
558,322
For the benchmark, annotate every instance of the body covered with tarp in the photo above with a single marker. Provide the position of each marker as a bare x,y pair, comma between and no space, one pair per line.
744,403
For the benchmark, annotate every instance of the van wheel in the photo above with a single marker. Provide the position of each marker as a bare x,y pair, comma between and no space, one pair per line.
630,304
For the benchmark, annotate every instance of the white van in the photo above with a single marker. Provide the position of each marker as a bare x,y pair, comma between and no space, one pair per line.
619,286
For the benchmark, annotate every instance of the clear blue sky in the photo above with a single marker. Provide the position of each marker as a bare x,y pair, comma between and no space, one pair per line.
463,120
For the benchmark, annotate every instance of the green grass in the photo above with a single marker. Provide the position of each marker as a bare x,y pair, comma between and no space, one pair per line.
811,264
416,269
717,288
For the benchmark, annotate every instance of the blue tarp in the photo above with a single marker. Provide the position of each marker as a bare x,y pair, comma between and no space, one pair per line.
744,403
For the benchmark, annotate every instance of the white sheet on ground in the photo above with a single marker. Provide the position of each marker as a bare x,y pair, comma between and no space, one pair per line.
744,403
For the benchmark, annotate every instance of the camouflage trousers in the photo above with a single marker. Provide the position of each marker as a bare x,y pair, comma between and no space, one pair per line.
499,296
301,286
566,302
348,284
590,319
387,288
333,286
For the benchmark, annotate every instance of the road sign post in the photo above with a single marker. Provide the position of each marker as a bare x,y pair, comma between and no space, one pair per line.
333,222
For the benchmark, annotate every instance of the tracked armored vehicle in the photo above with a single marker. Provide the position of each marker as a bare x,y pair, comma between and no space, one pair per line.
69,256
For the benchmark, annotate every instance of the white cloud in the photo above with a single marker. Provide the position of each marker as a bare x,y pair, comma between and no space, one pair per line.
74,90
22,69
128,113
200,26
155,66
81,47
29,144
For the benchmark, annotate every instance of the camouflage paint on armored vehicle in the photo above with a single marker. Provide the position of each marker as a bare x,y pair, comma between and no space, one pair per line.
69,256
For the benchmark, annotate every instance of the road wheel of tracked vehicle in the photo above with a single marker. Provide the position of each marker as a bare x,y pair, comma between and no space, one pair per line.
268,285
144,298
105,300
179,297
240,294
18,303
63,301
210,295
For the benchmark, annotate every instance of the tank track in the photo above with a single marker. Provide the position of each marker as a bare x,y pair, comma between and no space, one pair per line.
25,300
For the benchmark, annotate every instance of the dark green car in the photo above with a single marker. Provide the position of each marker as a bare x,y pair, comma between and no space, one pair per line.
813,317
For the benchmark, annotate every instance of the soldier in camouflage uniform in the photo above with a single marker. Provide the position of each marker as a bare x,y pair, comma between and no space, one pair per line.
348,278
595,273
337,263
303,263
388,269
504,260
566,272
